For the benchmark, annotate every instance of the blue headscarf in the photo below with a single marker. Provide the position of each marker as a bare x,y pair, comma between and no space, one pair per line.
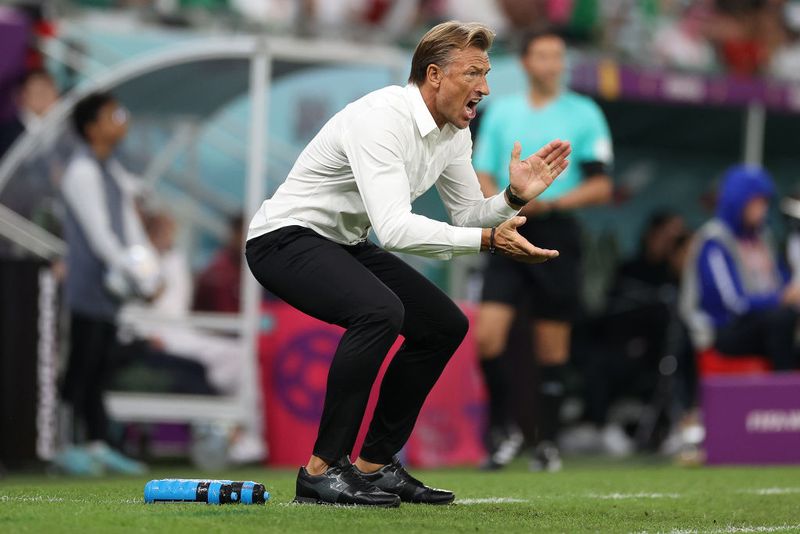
740,184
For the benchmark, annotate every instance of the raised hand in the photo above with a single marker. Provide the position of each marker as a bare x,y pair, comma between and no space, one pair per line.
530,176
509,242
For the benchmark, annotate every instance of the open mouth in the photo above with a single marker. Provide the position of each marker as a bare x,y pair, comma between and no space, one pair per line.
471,108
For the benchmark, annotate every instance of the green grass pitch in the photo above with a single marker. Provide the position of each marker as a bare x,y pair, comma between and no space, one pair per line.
588,496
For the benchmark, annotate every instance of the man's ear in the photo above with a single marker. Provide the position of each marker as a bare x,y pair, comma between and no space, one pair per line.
433,75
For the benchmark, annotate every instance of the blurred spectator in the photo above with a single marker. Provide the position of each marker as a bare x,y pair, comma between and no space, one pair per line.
105,237
629,340
489,12
651,266
274,13
217,287
37,94
33,190
524,14
785,63
734,296
678,341
384,19
627,26
683,42
221,356
746,33
785,60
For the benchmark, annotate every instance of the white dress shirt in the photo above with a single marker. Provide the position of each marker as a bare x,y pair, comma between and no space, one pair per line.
365,168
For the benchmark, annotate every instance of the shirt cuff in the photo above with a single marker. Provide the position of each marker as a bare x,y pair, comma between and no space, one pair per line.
500,207
466,240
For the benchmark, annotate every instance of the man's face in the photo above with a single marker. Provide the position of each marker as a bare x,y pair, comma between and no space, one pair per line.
754,213
544,62
38,95
661,242
462,85
111,124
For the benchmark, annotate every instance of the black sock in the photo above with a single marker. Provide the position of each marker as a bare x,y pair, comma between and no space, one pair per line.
494,375
551,396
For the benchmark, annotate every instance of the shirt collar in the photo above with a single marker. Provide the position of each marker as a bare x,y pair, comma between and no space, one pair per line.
420,111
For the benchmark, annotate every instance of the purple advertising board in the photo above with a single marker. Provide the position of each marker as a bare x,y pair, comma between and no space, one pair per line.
14,37
752,419
614,81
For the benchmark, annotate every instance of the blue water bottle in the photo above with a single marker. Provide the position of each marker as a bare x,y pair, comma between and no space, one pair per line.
207,491
183,490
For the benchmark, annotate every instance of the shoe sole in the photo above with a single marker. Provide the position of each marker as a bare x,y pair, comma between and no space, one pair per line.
312,500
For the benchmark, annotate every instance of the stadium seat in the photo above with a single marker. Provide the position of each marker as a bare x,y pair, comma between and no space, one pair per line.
712,362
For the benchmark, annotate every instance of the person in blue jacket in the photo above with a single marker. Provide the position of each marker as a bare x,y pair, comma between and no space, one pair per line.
735,297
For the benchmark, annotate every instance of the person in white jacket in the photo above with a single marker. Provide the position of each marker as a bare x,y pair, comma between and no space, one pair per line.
108,261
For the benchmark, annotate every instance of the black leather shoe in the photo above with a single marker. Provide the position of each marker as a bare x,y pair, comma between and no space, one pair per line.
341,484
393,478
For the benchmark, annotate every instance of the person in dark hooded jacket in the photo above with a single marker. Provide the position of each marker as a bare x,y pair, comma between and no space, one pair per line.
735,296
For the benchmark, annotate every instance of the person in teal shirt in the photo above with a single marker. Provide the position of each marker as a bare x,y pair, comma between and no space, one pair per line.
551,290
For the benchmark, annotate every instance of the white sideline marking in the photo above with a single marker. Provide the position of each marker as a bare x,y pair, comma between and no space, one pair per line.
468,502
772,491
735,530
618,496
491,500
778,528
22,498
43,499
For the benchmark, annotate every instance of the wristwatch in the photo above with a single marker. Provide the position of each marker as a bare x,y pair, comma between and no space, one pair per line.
514,199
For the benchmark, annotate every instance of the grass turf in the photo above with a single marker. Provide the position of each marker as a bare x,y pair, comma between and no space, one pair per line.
585,497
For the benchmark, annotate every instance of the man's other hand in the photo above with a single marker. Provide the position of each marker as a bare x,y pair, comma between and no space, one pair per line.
530,176
508,242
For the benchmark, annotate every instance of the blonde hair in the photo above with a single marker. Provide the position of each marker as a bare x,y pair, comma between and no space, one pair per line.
436,46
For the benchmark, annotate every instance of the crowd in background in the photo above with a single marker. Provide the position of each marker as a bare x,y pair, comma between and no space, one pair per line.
745,37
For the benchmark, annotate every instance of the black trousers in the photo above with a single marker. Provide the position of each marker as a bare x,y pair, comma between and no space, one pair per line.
767,332
376,297
92,342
